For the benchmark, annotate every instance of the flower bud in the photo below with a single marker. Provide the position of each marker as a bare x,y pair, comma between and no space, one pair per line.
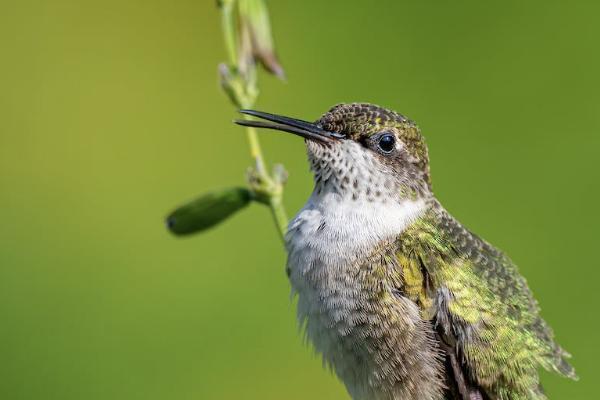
207,210
256,39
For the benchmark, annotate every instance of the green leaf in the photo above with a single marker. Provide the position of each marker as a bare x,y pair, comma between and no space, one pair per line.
207,211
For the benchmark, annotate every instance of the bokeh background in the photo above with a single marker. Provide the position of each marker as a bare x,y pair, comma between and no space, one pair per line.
110,115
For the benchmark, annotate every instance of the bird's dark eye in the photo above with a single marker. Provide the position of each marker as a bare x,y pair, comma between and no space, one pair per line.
386,143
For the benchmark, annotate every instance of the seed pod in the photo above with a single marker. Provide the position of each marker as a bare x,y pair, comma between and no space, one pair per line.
207,210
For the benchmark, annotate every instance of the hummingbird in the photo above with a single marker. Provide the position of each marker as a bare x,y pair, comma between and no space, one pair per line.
400,299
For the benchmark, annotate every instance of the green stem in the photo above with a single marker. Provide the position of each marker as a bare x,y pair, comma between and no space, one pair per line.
267,190
255,150
279,215
229,29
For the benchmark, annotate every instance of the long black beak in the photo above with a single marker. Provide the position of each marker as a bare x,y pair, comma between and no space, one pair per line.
307,130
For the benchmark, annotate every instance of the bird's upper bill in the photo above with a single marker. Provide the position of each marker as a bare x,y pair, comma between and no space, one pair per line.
307,130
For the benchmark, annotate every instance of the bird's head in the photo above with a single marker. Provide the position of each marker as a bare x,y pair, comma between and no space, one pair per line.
360,151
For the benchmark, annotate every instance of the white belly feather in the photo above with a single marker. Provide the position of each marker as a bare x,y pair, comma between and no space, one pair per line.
325,241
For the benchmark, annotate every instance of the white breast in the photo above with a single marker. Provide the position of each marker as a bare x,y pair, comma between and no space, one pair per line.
325,241
334,231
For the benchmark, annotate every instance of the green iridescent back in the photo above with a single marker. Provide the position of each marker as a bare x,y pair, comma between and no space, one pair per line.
482,308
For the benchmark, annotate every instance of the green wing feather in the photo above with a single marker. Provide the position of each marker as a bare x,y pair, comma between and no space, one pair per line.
481,305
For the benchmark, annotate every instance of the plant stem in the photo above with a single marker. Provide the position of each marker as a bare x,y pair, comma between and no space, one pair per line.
229,29
268,190
241,88
255,149
279,215
275,195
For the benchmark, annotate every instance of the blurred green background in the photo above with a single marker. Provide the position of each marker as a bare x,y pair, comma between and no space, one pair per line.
110,115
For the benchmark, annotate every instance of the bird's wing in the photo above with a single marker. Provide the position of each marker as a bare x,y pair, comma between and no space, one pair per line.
482,308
